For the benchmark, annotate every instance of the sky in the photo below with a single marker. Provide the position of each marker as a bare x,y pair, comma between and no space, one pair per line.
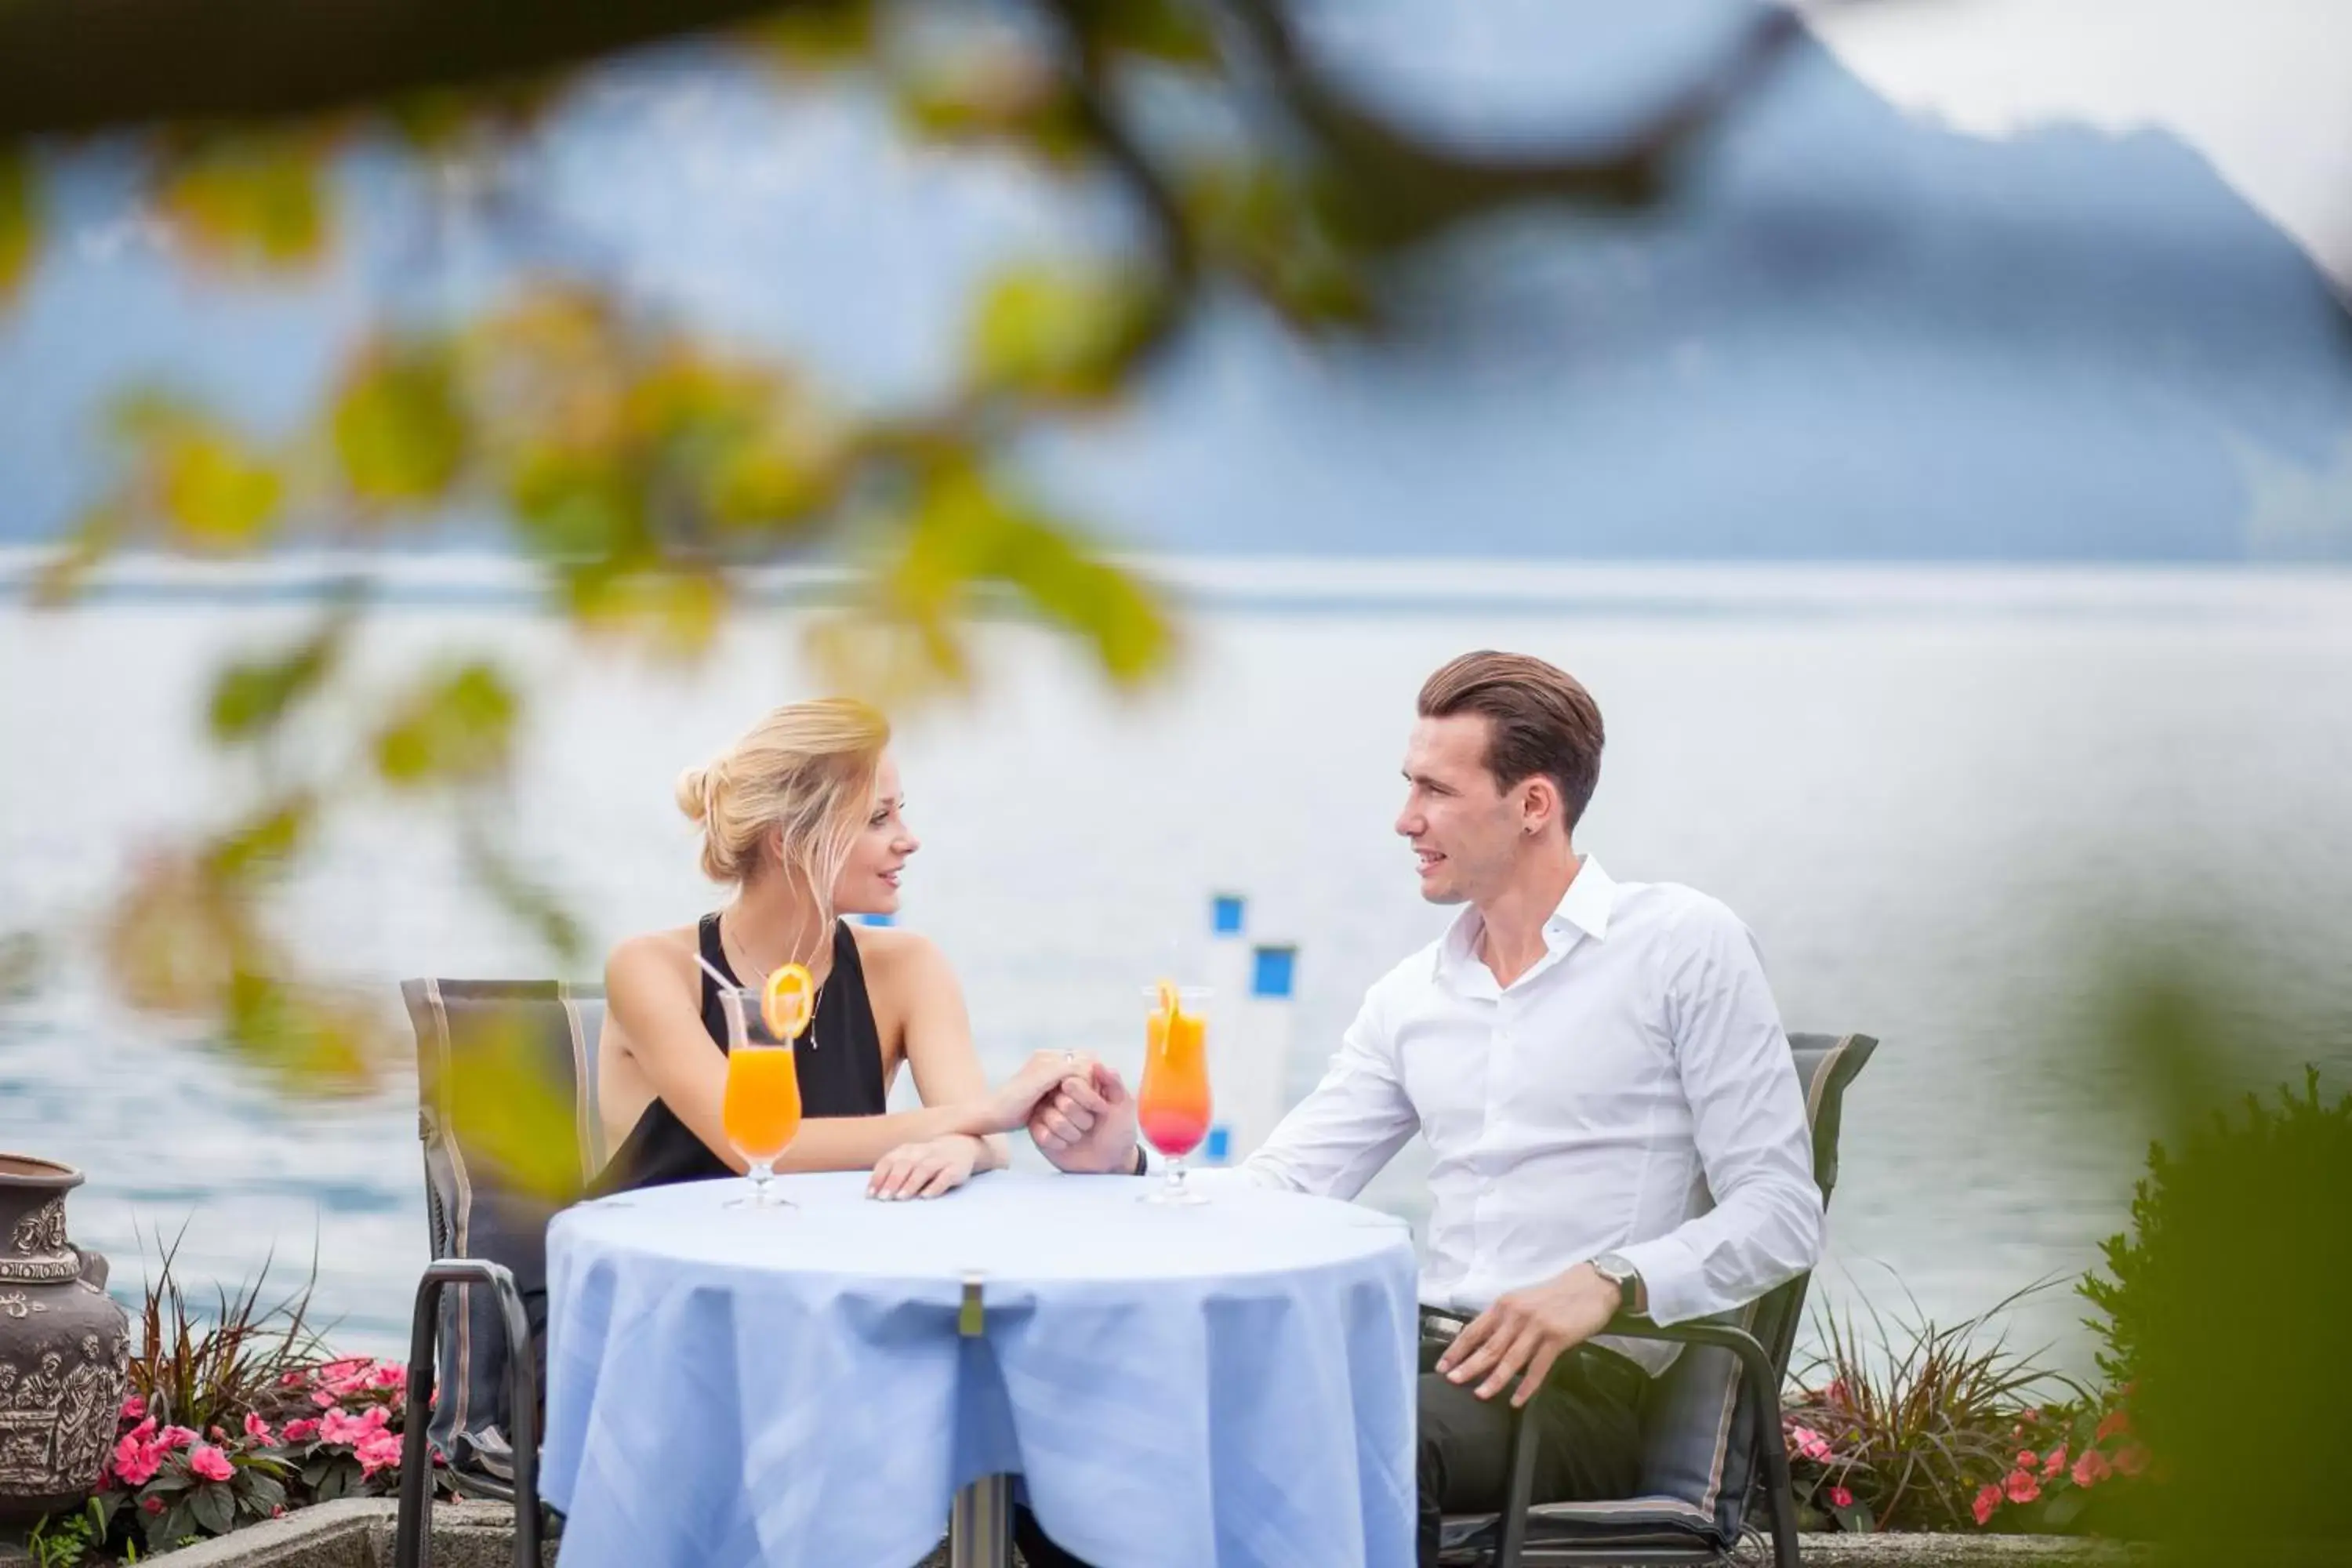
2262,87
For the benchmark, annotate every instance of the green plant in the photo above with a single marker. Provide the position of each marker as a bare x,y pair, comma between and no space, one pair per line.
1901,1428
64,1542
202,1372
2303,1144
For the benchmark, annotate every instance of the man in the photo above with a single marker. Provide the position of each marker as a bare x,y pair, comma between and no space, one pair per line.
1602,1077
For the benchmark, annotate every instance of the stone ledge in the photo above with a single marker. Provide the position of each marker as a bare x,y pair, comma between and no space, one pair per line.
357,1533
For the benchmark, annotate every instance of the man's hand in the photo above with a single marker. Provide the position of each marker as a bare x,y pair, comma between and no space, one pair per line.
1026,1091
1087,1125
1528,1330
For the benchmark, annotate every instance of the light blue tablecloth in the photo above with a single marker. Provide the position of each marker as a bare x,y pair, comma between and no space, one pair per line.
1231,1384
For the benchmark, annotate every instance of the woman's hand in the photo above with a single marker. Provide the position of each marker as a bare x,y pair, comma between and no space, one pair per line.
929,1169
1008,1109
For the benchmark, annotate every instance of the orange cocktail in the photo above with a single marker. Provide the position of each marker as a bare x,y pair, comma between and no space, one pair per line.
1173,1107
761,1111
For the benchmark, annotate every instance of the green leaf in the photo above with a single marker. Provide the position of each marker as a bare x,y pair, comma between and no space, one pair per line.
2064,1509
263,1491
456,727
213,1504
264,841
251,696
1060,334
1168,32
19,220
822,35
1856,1518
400,430
250,198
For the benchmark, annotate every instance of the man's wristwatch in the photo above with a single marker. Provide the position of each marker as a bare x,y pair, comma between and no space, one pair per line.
1614,1267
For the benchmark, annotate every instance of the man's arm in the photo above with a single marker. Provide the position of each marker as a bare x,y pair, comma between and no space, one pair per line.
1754,1146
1749,1120
1354,1121
1331,1144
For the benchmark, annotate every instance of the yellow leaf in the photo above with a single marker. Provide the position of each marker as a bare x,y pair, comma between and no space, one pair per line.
399,428
307,1040
820,34
674,613
510,1111
456,727
176,937
19,220
1060,334
253,198
216,494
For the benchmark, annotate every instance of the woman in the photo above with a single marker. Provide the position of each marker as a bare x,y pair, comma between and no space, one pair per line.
803,817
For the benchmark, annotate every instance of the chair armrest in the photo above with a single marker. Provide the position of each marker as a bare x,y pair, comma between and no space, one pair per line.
1763,1380
522,1395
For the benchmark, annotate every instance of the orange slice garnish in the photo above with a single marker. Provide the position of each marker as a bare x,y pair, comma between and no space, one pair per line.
787,1001
1170,999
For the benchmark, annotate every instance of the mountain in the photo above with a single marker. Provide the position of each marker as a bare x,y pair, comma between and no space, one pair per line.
1856,334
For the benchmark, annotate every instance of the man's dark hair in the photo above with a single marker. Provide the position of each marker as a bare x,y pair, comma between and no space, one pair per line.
1540,720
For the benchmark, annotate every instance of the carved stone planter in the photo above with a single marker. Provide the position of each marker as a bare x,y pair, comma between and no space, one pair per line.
64,1347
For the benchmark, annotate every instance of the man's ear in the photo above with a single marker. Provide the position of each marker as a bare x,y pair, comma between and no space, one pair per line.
1539,806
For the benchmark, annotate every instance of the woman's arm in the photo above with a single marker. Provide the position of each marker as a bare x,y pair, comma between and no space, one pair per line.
652,994
937,1027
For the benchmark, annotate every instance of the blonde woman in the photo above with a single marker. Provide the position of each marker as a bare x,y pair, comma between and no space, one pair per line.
804,818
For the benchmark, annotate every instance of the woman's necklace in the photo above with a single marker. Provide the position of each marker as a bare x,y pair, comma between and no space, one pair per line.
758,971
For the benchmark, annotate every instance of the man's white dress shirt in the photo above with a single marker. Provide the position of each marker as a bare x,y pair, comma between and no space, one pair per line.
1632,1092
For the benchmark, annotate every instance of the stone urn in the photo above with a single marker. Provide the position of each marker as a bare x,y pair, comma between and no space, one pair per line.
65,1347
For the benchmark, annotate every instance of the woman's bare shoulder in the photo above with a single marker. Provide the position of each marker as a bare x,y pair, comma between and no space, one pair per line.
652,956
893,956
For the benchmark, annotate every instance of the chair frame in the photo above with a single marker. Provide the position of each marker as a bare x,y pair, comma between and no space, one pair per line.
411,1527
1758,1369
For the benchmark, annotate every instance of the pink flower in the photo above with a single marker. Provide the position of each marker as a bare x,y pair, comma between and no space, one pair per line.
136,1462
2114,1424
278,1510
2028,1459
1841,1498
378,1450
1987,1500
292,1380
324,1400
172,1438
1838,1396
2131,1460
151,1504
299,1430
2057,1462
1811,1446
389,1374
2033,1416
340,1426
2021,1486
210,1463
134,1408
2092,1468
257,1429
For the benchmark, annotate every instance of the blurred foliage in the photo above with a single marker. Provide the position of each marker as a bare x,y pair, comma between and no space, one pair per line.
2223,1310
18,230
642,469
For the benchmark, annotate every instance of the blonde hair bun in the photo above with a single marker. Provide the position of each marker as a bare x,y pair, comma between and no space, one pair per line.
805,773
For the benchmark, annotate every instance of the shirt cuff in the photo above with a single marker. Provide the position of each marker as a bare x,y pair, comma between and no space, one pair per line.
1672,1279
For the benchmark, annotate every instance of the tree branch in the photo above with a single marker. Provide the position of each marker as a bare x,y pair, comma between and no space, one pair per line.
69,66
1398,186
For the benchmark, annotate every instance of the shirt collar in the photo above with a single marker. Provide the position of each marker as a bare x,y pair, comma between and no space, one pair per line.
1583,908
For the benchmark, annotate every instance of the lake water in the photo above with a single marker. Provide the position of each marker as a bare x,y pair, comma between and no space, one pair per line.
1932,794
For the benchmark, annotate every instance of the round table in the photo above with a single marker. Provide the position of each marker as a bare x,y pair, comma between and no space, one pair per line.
1230,1383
